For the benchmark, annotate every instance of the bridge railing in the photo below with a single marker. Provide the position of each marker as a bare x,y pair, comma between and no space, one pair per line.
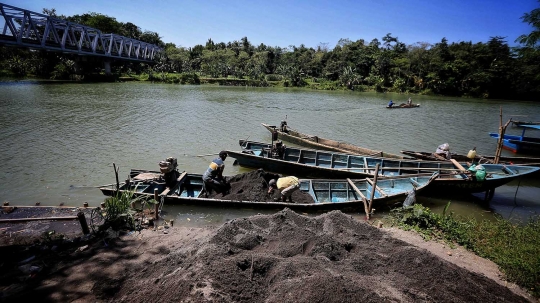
29,29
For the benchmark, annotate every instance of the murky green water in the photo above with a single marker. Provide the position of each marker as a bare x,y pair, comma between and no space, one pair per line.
58,141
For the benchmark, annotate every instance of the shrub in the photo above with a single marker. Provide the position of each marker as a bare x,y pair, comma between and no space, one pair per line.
189,78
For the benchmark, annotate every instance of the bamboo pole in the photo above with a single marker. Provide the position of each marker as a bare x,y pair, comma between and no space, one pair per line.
364,200
156,207
502,130
403,168
116,174
373,189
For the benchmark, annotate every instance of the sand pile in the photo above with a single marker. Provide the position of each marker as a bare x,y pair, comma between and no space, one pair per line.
287,257
253,186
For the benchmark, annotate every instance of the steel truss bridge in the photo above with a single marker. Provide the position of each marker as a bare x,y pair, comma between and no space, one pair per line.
23,28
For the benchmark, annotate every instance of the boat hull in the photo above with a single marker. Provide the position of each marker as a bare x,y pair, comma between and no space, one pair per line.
322,164
345,195
316,142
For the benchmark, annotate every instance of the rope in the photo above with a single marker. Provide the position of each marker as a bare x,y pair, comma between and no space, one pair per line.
517,188
161,202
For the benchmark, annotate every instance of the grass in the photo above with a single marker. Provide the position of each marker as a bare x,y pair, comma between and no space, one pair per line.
514,248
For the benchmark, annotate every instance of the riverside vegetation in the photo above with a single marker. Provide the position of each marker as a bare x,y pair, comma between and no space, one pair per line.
514,248
486,70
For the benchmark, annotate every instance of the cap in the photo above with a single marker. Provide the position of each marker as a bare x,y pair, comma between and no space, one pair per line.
223,153
272,183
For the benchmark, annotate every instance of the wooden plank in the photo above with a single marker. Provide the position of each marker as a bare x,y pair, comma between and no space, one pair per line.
38,219
377,187
167,190
364,200
351,183
456,163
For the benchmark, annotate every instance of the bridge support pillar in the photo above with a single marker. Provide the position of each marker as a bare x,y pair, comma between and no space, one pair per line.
107,66
77,67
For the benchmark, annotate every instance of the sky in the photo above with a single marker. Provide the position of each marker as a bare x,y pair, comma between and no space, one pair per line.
282,23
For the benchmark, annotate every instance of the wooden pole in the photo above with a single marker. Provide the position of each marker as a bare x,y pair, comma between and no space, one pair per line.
116,174
84,225
373,189
502,130
404,168
366,207
156,207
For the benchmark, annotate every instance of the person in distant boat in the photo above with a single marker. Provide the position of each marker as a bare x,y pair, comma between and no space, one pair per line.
391,103
286,185
409,103
443,150
283,127
213,176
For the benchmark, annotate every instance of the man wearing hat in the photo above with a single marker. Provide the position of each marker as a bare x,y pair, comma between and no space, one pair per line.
286,185
213,176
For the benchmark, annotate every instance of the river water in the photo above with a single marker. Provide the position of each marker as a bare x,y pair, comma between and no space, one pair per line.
58,142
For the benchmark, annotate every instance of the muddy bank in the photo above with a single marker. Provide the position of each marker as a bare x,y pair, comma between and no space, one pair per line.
21,233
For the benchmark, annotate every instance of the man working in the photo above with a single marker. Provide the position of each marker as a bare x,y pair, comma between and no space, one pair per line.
390,104
286,185
213,176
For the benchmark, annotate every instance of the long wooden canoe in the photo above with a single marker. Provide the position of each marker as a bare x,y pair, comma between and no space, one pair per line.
346,194
528,161
331,165
316,142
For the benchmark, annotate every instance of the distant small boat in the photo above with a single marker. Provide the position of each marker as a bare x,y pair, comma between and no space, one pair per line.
403,105
346,194
529,161
521,144
316,142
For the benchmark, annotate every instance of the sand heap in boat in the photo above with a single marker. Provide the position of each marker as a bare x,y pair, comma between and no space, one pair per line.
253,186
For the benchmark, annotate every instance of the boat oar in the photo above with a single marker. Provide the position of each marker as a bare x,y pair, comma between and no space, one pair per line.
84,186
214,154
402,168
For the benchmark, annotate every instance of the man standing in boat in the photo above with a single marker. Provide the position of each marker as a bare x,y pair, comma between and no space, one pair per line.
213,176
286,185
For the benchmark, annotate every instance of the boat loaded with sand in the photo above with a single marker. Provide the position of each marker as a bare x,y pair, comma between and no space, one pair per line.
314,194
285,133
453,176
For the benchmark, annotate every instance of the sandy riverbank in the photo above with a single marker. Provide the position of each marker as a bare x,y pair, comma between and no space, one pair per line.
285,257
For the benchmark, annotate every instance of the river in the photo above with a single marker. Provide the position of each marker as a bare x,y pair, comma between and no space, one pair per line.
59,141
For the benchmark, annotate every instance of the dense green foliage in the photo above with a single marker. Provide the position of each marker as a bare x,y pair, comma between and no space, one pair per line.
514,248
487,70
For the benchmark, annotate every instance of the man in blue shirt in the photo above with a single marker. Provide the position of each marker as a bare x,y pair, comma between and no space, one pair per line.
391,103
213,176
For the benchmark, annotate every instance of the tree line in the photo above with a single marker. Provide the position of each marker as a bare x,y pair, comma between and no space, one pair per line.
486,70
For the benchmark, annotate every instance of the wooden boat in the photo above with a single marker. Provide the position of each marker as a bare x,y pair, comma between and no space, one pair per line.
344,194
520,123
403,105
521,144
528,161
453,176
296,137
